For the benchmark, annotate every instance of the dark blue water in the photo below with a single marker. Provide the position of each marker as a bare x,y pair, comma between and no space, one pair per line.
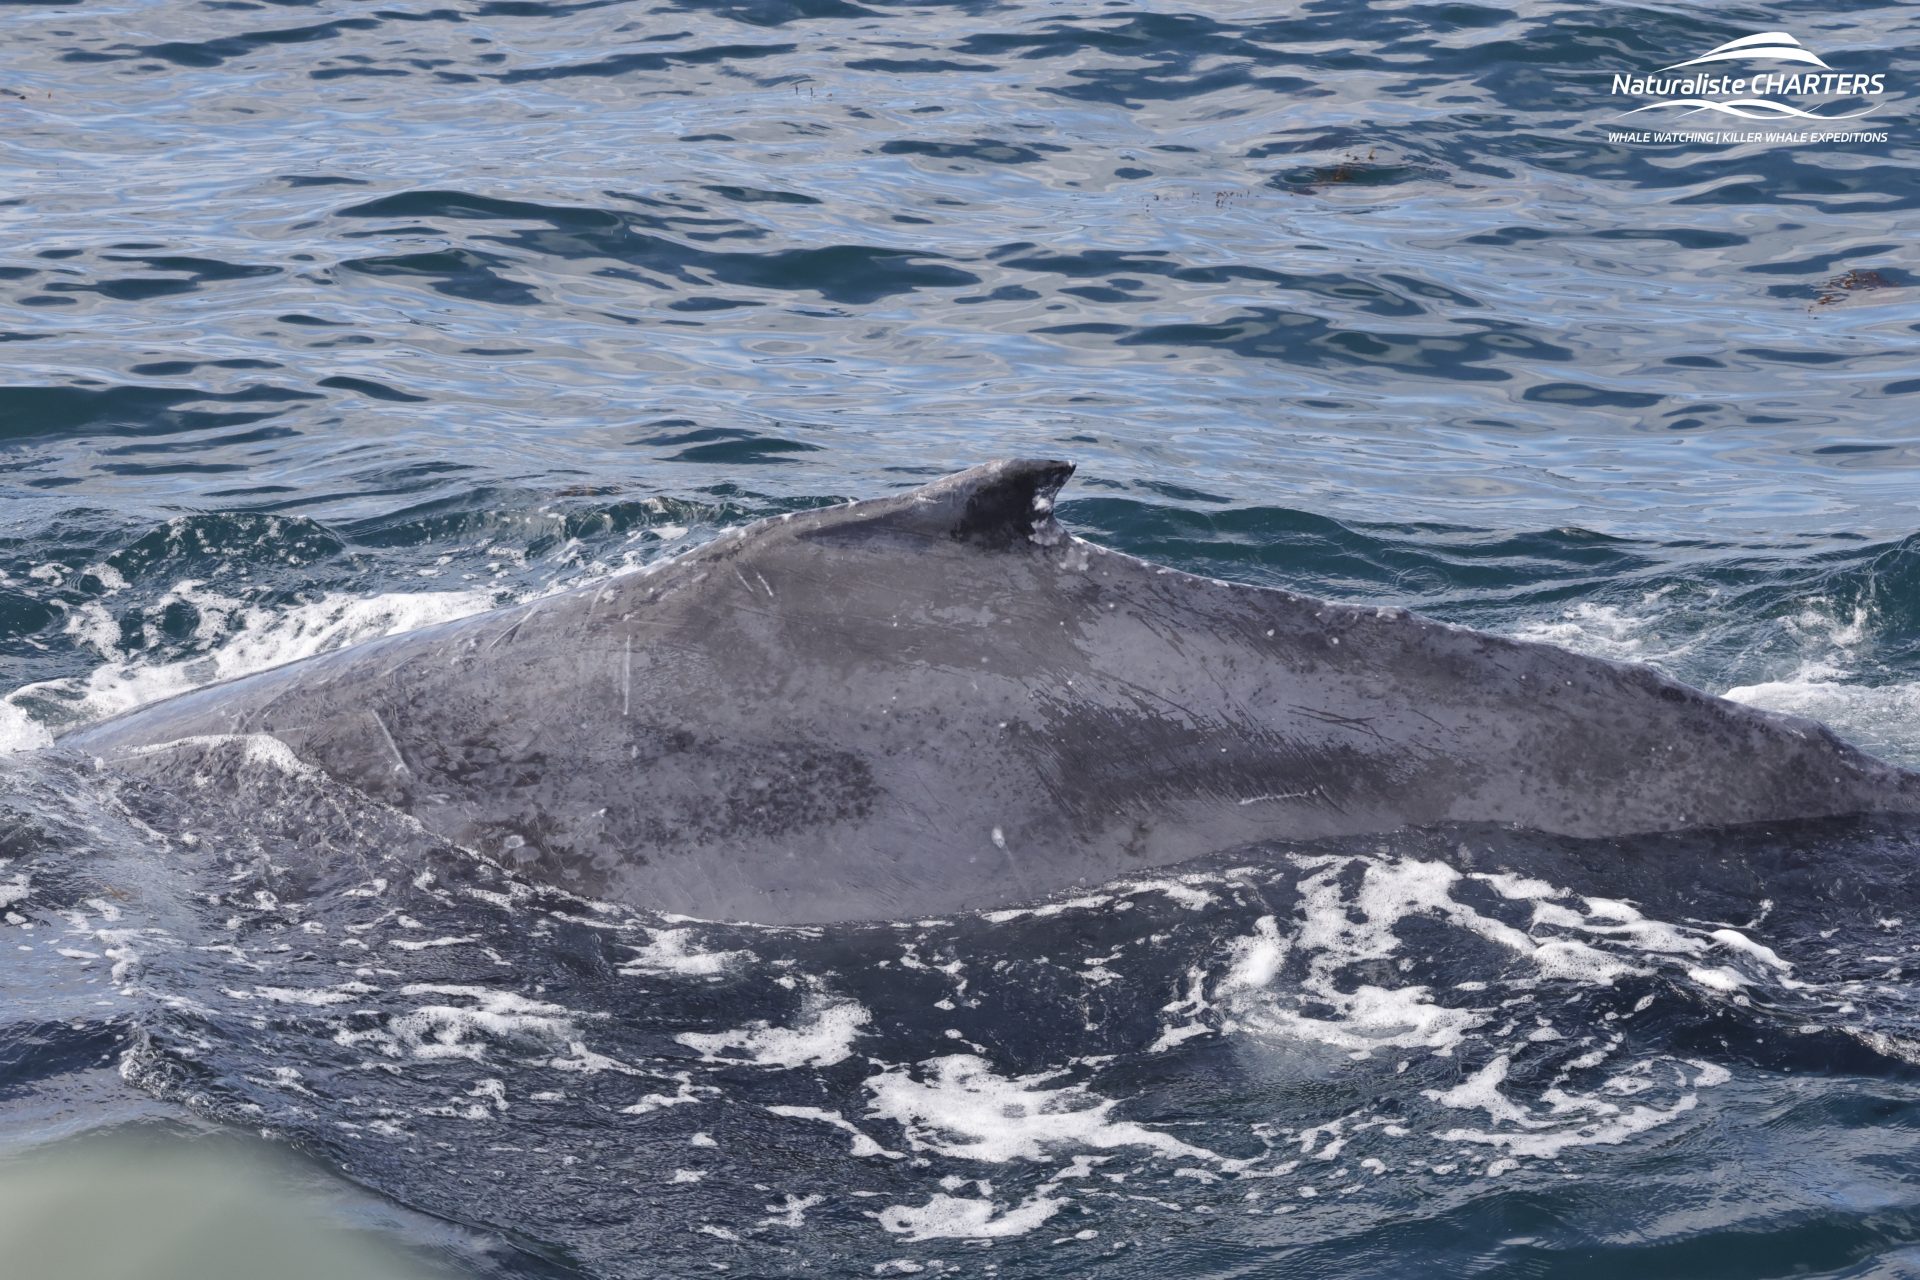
326,320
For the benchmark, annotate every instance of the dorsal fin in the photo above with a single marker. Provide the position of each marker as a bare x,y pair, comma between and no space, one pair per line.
997,504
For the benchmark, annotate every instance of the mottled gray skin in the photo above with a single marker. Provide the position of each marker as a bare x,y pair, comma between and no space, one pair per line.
940,701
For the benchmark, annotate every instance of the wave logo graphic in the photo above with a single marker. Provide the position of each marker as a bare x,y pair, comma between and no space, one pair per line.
1777,45
1761,94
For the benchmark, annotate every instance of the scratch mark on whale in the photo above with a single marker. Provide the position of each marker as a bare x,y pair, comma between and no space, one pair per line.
399,761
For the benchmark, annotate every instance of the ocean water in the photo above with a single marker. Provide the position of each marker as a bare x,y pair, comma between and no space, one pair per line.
323,321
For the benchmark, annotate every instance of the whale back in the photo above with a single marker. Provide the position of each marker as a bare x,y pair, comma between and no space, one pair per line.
941,700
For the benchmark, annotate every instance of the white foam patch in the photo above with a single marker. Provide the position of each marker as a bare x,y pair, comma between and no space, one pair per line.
1189,891
1883,718
20,731
1346,921
578,1058
1609,631
1481,1091
793,1214
1330,976
445,1031
675,952
1616,921
118,947
1193,1006
243,638
823,1036
1718,978
1338,930
423,944
1571,1121
1734,940
235,638
862,1144
948,1217
1047,910
1341,926
318,997
961,1107
685,1094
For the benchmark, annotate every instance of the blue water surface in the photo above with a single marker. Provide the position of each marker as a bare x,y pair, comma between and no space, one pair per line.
324,320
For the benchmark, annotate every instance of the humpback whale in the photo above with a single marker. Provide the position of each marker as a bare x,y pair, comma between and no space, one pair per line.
941,700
